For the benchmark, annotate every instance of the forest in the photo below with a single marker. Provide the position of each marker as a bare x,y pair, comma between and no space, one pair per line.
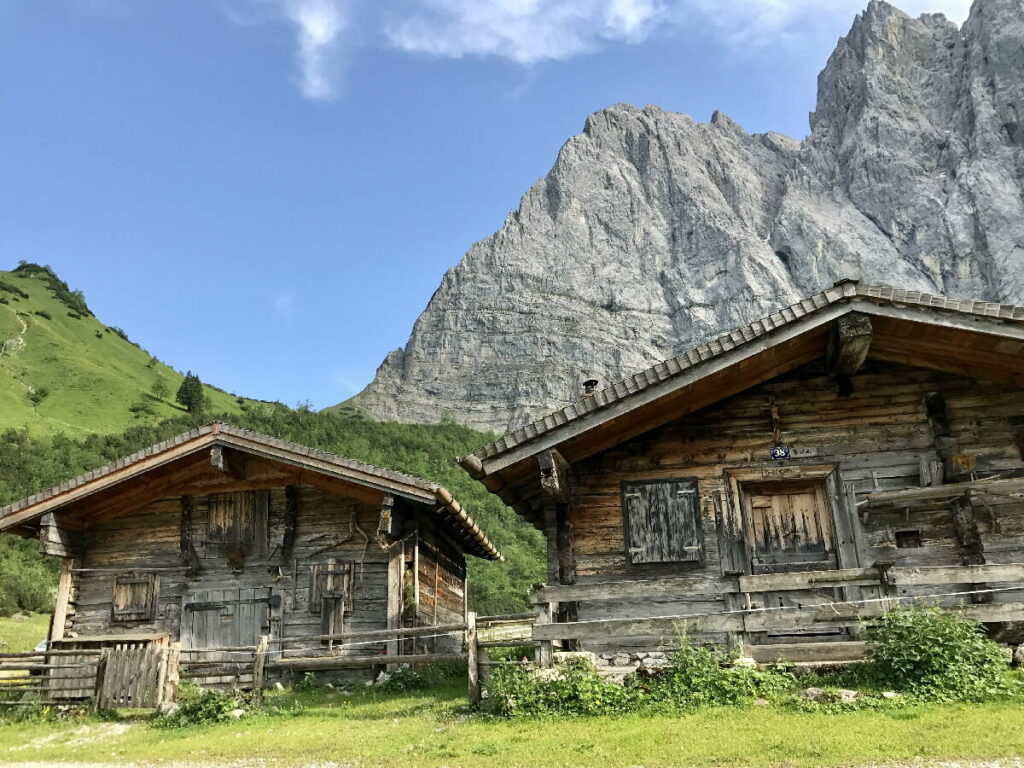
29,463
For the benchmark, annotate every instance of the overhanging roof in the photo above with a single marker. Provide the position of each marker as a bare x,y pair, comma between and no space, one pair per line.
944,335
18,515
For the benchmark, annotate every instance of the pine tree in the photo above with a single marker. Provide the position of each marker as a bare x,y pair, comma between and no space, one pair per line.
190,394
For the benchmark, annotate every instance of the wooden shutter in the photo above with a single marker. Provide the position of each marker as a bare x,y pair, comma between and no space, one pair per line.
134,596
238,521
662,522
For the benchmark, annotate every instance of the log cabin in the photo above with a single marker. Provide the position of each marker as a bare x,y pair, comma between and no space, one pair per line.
220,537
777,486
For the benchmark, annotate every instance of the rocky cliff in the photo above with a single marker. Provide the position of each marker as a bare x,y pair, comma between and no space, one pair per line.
653,232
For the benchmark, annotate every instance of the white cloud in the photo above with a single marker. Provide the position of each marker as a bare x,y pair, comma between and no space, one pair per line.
319,24
525,31
531,31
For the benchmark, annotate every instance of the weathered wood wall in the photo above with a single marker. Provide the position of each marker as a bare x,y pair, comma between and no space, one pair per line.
306,527
877,437
442,584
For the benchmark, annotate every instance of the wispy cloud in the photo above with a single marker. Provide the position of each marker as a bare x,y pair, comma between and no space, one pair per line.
525,31
531,31
319,24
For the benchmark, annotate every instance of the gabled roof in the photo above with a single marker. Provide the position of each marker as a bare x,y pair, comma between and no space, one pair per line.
19,514
964,316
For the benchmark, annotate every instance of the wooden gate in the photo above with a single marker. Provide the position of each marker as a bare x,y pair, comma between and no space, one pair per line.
213,621
135,677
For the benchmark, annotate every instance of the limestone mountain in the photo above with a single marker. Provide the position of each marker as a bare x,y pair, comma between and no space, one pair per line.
653,232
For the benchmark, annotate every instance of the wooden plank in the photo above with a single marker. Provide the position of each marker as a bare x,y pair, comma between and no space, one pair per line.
776,582
376,634
361,662
958,574
60,611
606,629
646,589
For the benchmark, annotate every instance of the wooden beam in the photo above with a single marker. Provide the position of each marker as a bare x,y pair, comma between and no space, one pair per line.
65,581
554,476
56,539
847,348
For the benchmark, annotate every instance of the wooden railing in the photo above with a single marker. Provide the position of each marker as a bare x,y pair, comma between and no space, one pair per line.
740,615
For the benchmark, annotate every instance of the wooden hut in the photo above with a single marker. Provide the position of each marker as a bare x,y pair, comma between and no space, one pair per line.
785,481
220,537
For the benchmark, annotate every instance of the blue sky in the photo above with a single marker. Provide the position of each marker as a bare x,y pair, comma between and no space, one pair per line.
268,191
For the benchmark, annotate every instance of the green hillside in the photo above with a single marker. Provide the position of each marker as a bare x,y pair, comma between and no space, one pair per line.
62,369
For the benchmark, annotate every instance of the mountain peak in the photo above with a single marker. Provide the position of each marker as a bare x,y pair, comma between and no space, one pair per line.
652,232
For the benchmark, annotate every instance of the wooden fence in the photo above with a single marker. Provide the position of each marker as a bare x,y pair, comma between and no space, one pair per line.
144,676
970,592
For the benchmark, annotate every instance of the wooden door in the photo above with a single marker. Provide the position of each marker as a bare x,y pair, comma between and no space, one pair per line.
789,527
223,618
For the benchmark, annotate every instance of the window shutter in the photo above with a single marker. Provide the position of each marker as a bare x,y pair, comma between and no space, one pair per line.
330,581
238,521
662,521
134,596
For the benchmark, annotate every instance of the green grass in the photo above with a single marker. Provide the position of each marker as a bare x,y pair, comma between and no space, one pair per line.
93,374
432,730
23,634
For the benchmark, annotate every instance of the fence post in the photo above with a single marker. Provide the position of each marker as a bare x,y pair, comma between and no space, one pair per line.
101,673
546,648
472,659
259,666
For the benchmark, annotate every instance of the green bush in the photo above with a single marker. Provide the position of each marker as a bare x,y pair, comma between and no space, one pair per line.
573,689
937,656
701,676
201,706
37,395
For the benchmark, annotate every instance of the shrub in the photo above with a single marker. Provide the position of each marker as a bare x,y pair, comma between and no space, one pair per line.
937,656
44,314
573,689
201,706
37,395
11,288
73,300
700,676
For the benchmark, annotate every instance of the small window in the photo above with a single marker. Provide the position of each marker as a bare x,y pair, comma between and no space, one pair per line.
908,539
662,522
238,523
135,596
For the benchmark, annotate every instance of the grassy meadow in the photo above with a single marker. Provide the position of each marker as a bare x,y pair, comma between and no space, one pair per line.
23,632
433,728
